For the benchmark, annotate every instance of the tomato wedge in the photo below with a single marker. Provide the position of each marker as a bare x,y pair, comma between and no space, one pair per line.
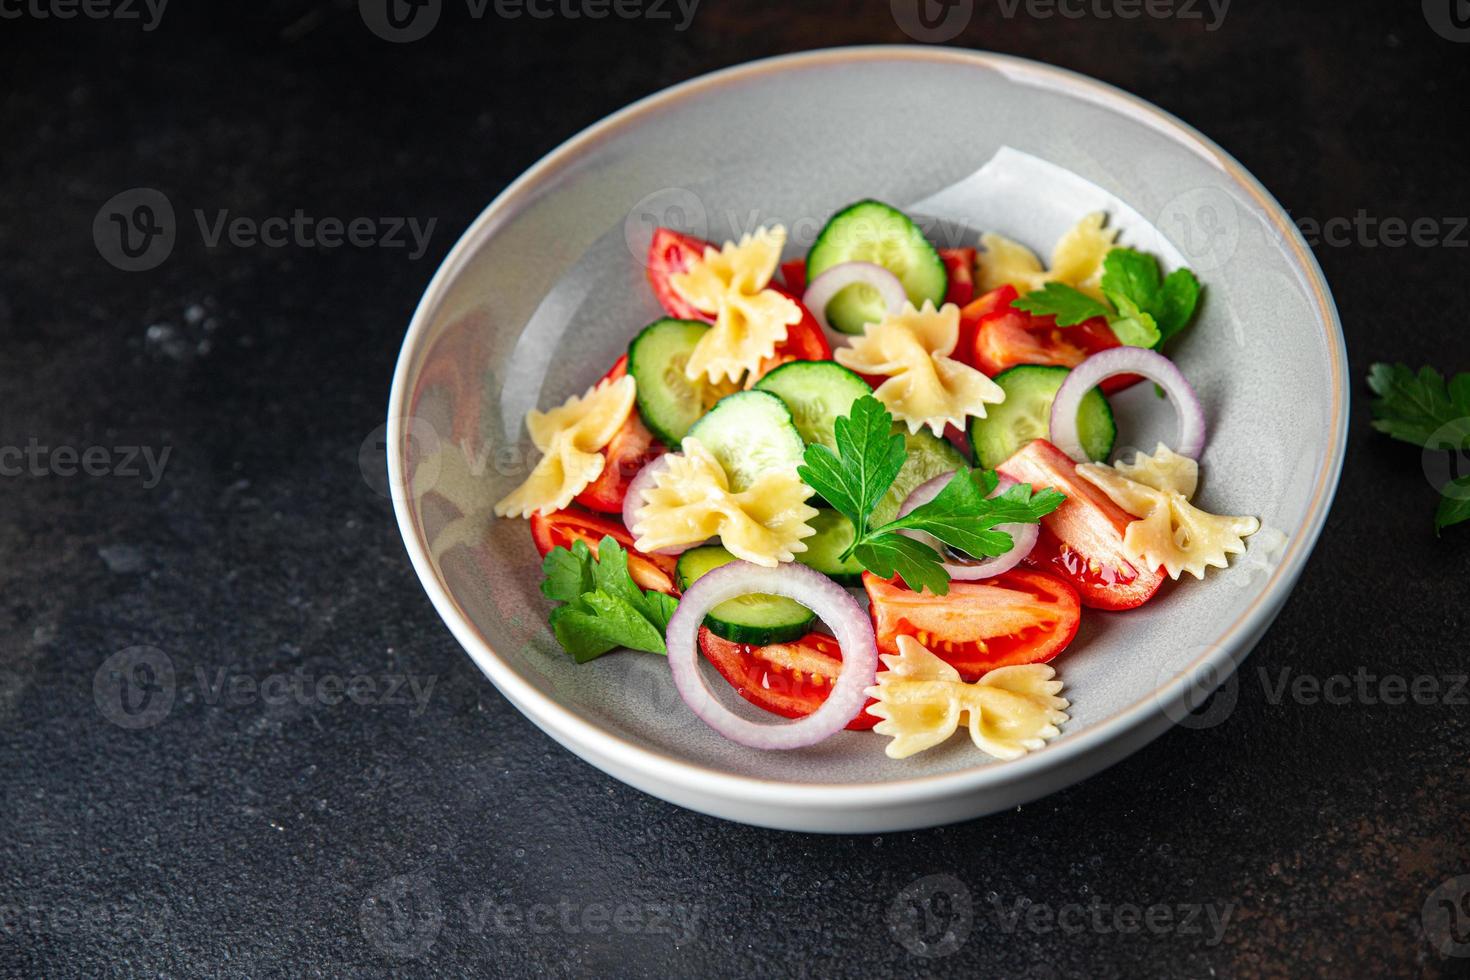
1082,540
787,679
973,313
1004,337
960,264
671,253
793,273
804,342
1017,617
631,448
564,527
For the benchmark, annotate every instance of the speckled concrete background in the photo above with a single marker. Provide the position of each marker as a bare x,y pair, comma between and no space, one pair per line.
333,789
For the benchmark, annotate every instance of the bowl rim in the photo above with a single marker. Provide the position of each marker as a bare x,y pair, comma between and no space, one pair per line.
654,766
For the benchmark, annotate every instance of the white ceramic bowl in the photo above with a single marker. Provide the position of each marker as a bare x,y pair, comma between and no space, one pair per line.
546,288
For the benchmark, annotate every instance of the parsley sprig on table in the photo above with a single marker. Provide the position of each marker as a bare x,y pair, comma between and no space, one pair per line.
604,608
1147,308
868,459
1425,410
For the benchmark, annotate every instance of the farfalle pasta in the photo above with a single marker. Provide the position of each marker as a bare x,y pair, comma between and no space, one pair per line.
750,319
1170,533
1076,261
925,386
571,438
1012,710
691,502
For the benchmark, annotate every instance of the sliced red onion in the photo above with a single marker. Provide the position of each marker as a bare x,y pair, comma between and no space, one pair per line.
833,604
633,501
819,291
1023,536
1126,360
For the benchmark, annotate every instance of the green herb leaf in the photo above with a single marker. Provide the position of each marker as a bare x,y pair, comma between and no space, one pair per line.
568,574
1454,504
1413,408
1134,275
1177,303
919,565
1132,325
604,608
868,458
962,516
1069,305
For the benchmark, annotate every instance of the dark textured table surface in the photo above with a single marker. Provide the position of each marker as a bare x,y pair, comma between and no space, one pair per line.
244,832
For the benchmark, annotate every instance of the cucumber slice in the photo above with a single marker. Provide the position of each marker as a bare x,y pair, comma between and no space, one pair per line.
870,231
818,393
749,433
928,457
668,401
755,619
824,549
1025,415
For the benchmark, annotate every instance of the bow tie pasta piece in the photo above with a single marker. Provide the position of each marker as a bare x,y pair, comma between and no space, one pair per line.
690,502
571,438
925,385
1165,470
750,320
1171,533
1013,710
1076,261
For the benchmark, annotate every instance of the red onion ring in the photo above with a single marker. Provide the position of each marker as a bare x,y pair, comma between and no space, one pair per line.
1126,360
821,290
633,502
833,604
1023,536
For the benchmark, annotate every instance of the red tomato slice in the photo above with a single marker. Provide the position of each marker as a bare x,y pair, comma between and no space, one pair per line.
804,342
793,273
669,254
564,527
632,448
788,679
973,313
1082,540
960,263
1005,337
1017,617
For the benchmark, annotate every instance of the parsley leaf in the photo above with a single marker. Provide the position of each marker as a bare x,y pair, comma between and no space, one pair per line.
1069,305
868,458
1134,275
1454,504
1425,410
961,516
1146,309
1412,407
1132,326
604,608
919,565
1177,303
